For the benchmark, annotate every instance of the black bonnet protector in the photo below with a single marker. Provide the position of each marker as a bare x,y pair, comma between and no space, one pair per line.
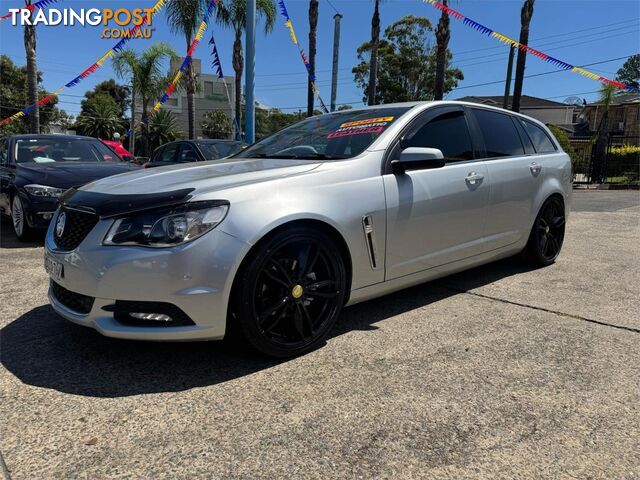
107,205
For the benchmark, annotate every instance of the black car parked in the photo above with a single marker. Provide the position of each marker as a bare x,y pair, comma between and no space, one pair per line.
36,169
187,151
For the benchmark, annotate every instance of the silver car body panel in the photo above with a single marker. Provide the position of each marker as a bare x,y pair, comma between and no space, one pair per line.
419,226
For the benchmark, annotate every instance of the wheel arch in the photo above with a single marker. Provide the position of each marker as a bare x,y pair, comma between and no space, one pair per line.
313,223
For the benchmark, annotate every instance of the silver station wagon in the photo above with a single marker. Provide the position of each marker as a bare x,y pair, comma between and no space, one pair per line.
272,243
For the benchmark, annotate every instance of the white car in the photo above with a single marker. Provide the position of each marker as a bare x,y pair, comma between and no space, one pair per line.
331,211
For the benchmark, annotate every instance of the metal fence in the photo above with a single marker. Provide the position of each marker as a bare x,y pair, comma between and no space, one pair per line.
620,165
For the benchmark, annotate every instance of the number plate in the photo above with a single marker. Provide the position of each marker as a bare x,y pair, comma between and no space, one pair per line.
54,268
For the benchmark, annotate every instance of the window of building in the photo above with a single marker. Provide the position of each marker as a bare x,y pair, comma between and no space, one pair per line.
172,102
208,88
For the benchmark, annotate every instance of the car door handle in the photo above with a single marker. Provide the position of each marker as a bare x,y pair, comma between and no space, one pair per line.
474,178
535,168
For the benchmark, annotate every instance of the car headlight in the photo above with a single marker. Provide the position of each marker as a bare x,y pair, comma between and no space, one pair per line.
167,227
44,191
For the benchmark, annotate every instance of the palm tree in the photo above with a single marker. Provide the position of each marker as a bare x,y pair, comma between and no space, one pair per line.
313,26
598,159
144,72
373,63
525,19
443,34
163,128
32,74
101,120
184,17
233,15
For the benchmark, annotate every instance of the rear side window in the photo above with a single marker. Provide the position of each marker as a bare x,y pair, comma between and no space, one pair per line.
501,138
541,141
448,133
168,154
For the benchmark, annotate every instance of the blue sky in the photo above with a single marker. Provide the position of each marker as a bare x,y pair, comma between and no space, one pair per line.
575,31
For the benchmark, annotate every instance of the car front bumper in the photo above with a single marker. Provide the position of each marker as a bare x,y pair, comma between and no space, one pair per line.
196,278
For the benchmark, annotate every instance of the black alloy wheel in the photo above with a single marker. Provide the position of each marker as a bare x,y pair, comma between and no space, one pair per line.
291,292
547,235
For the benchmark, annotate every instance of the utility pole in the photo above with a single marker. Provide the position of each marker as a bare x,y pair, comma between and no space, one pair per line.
336,49
507,84
250,80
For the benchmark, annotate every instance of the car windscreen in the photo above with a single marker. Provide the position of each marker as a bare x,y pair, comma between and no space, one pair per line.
326,137
48,150
214,150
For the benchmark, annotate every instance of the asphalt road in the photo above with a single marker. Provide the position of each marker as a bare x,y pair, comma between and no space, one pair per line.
499,372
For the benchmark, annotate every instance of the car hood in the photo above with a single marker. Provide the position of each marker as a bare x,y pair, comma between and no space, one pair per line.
70,174
201,177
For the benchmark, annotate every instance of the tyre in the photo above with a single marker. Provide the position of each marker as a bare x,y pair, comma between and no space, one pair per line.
289,292
547,234
19,220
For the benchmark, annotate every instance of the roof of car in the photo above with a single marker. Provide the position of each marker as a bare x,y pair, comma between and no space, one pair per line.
51,135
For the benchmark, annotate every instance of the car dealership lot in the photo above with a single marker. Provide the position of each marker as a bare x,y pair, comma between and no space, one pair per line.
499,372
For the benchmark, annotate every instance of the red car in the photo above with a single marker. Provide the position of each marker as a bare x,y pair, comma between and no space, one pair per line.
119,149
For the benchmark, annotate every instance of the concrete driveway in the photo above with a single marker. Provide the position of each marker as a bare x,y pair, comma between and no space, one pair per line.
499,372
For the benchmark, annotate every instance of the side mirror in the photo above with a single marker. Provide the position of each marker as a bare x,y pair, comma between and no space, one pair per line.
418,158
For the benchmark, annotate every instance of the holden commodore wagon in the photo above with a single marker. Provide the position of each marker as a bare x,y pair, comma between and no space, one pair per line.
273,242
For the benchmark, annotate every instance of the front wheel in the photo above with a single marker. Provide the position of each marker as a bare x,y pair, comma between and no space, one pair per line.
19,220
290,292
547,234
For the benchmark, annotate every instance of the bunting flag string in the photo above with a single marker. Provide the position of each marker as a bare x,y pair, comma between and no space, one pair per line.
218,67
525,48
118,47
185,64
303,56
32,8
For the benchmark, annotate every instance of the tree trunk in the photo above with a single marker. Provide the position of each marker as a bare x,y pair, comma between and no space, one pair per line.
132,137
145,127
525,19
443,34
238,65
191,91
32,74
598,160
313,26
373,63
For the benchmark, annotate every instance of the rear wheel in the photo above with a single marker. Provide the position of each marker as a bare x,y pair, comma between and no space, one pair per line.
547,234
290,292
19,220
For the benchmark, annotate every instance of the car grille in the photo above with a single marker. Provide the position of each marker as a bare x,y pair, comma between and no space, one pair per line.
77,226
73,301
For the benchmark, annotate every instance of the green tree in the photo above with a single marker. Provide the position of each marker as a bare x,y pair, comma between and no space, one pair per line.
344,107
163,128
184,18
629,73
271,121
144,72
14,98
118,92
598,161
32,73
216,124
406,63
563,139
525,21
233,15
99,117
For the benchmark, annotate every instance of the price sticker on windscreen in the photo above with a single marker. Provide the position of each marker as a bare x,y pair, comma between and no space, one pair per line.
361,127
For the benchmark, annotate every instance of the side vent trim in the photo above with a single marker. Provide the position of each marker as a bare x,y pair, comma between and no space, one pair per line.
367,225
